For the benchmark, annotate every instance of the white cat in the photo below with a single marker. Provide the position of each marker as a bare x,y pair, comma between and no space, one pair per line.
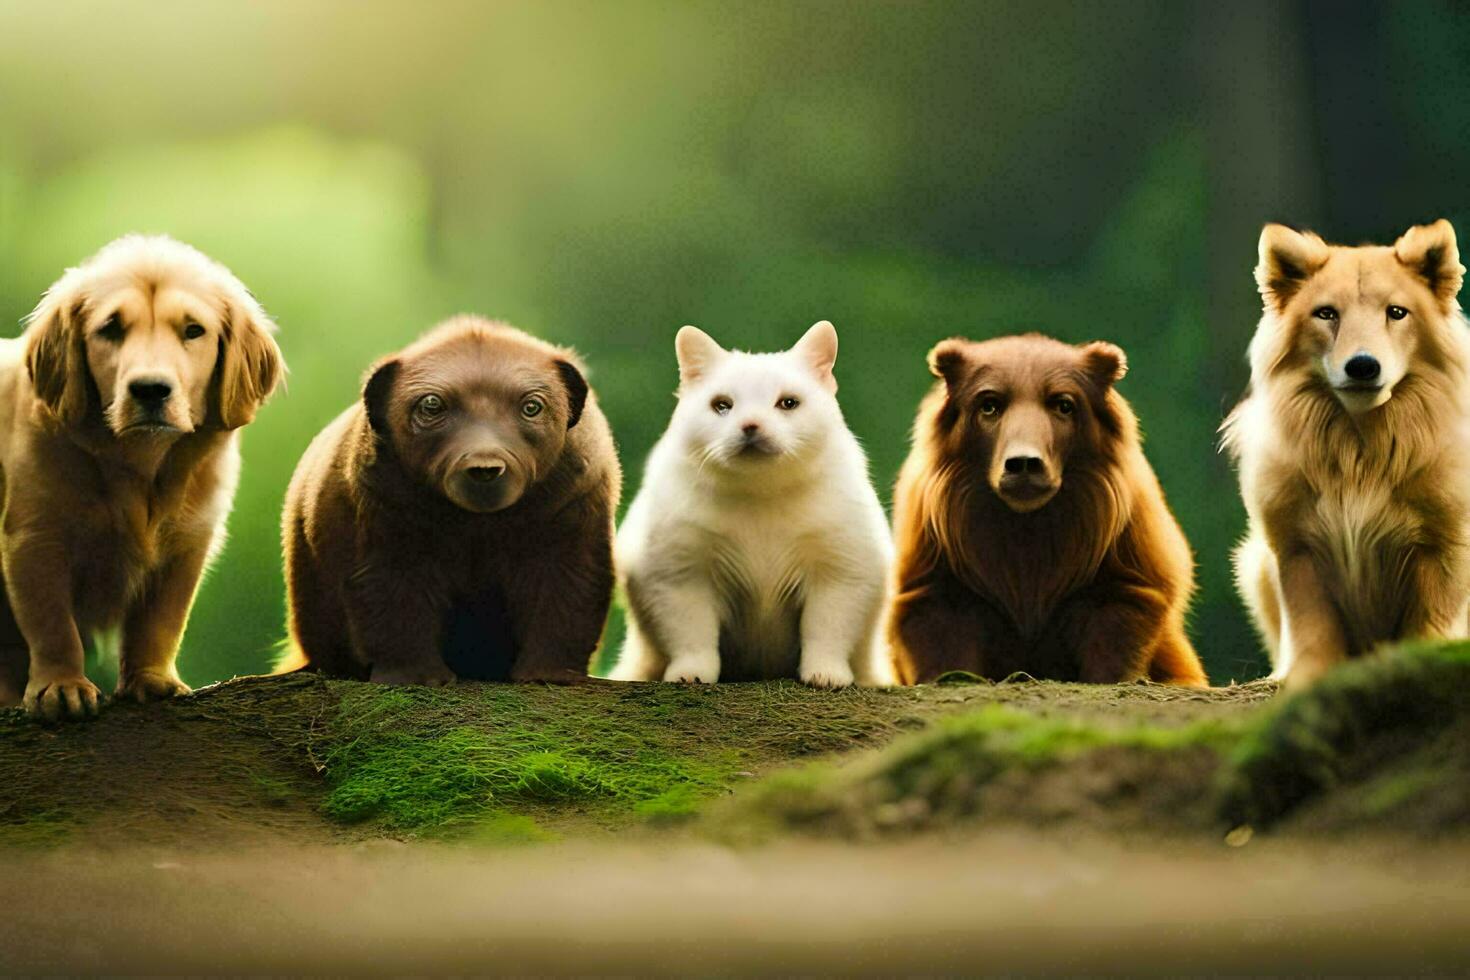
756,547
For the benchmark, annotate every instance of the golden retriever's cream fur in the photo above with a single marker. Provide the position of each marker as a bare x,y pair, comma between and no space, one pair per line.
118,463
1354,448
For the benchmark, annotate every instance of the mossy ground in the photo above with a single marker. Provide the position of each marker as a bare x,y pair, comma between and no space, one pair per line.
309,760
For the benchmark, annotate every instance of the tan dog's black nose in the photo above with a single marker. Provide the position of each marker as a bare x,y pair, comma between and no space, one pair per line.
150,392
1362,367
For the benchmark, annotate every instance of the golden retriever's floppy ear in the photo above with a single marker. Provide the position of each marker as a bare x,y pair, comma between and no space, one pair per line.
1288,258
56,355
576,386
818,347
250,362
697,351
376,392
1430,252
1104,362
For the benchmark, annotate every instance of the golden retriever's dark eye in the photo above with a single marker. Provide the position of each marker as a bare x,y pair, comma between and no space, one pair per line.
1397,312
111,329
193,331
533,407
990,406
787,403
1325,313
430,407
1064,405
721,405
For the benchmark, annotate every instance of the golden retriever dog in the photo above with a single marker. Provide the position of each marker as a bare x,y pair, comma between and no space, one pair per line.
118,464
1353,445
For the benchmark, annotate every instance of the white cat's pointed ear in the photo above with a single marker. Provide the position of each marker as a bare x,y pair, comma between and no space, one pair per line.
818,347
697,352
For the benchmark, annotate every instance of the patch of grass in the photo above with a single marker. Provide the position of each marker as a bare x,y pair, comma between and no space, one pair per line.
1312,742
37,828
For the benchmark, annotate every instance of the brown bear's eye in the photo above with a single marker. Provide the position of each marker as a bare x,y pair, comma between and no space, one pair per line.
1325,313
430,406
788,403
112,329
721,405
990,406
532,408
1397,312
1065,405
193,331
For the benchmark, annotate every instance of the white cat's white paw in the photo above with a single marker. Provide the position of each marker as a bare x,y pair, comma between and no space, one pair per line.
830,674
693,670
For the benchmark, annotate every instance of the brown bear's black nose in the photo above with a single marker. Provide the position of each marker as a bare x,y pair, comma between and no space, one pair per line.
1362,367
150,392
486,474
1024,464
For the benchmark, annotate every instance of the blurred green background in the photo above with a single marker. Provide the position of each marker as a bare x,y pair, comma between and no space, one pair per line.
602,172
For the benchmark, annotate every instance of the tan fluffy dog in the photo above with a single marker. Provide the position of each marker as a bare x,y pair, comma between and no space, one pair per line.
1354,448
118,454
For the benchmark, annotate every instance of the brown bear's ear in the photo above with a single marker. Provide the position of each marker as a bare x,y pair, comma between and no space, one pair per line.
1288,258
1104,362
697,352
1430,252
376,392
56,356
949,360
576,386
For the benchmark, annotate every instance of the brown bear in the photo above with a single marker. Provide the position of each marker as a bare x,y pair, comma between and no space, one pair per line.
1032,535
458,520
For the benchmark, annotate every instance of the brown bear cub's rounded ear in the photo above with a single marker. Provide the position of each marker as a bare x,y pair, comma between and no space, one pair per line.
576,386
1430,252
377,391
1287,259
948,360
1105,362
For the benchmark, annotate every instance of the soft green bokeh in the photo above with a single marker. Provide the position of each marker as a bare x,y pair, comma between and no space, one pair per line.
602,172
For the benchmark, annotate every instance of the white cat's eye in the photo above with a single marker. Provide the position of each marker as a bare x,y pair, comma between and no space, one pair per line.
788,403
721,405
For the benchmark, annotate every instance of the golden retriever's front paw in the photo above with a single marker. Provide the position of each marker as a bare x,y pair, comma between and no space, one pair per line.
149,685
56,698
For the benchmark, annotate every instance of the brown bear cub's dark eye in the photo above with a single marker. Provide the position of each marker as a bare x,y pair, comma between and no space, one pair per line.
788,403
1397,312
532,408
430,406
1325,313
990,406
1065,405
112,329
193,331
721,405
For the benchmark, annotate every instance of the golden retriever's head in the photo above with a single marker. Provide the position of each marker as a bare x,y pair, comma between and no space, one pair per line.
151,337
1027,410
1358,318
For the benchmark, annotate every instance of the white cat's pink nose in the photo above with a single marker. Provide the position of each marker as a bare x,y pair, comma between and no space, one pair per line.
750,428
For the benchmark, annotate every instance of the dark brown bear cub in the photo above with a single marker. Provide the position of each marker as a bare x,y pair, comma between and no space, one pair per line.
457,521
1032,534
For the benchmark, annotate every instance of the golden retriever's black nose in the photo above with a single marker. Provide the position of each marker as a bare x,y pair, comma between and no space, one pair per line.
485,474
1024,464
150,392
1362,367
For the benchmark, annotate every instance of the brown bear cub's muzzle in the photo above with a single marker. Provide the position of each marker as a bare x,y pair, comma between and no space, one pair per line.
483,483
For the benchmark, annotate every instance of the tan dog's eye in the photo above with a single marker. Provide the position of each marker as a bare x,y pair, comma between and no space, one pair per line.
193,331
990,406
430,406
112,329
1397,312
1065,405
1325,313
721,405
788,403
532,408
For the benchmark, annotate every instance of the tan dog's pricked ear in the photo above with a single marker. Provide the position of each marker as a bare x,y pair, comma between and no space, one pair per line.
949,360
697,352
250,361
56,356
818,347
1287,259
1105,362
1430,252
